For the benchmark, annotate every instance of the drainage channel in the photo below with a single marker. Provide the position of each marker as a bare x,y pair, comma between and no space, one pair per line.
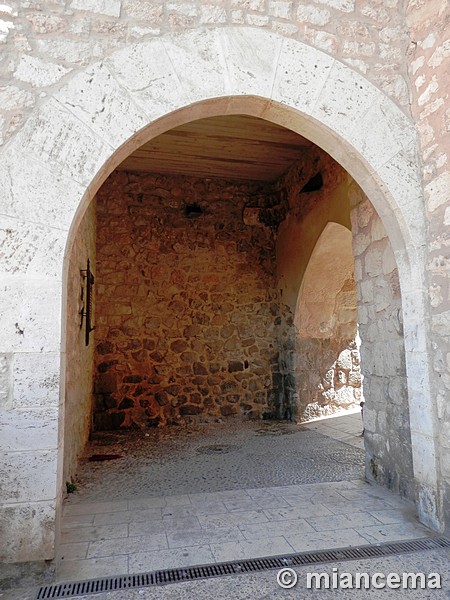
158,578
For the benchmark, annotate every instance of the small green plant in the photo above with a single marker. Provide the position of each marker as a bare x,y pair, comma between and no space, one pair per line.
70,487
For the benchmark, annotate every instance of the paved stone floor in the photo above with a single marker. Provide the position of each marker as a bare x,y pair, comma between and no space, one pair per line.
213,493
216,493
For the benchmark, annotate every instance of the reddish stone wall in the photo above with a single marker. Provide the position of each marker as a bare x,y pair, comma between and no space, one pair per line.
185,306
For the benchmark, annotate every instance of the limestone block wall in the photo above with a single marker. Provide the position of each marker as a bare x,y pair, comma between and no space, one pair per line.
79,358
29,389
45,45
429,65
186,305
386,412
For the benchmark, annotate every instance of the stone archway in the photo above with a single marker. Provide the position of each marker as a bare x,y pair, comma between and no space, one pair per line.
54,165
326,327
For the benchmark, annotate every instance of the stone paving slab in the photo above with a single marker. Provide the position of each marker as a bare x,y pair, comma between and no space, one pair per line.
237,518
129,545
163,526
73,570
251,549
91,532
257,531
311,542
306,509
141,562
342,521
393,532
347,429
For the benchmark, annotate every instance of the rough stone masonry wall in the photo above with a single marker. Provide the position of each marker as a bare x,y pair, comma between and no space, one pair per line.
429,66
44,44
185,307
386,412
79,357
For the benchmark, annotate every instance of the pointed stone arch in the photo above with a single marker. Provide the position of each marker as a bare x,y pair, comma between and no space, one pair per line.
325,325
330,265
56,162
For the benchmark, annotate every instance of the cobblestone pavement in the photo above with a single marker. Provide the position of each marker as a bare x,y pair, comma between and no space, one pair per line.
217,457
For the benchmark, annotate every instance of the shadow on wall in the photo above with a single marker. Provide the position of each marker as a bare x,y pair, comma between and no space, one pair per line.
327,360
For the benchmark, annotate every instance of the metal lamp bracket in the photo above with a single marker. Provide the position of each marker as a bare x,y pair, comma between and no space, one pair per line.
86,311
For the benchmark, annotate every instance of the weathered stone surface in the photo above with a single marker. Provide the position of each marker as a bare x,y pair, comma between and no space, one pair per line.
344,5
383,353
313,15
103,7
336,102
139,68
95,92
16,522
301,75
12,97
20,302
436,192
31,249
238,48
41,488
24,430
79,357
30,188
78,156
5,27
6,382
205,50
201,321
39,73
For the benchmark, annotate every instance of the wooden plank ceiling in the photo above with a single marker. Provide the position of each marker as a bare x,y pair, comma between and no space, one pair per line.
234,147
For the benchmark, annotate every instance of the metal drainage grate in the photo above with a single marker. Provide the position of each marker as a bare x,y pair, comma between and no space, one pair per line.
157,578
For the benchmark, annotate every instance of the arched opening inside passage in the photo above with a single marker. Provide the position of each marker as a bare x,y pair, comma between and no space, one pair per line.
326,329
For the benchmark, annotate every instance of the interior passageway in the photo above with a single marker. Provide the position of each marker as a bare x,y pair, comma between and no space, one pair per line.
199,244
237,269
